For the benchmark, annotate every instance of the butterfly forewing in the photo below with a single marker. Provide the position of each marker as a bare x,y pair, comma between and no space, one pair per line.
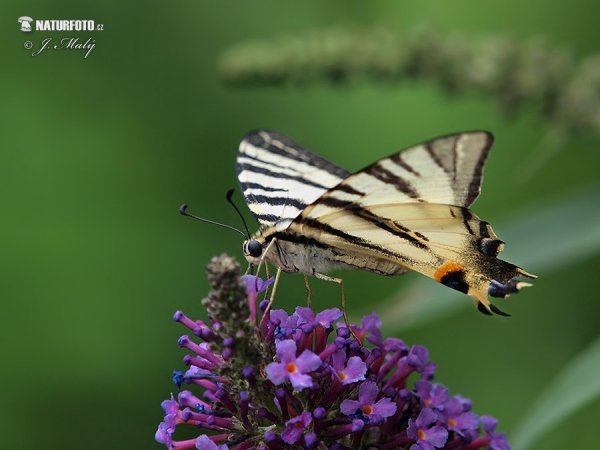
279,178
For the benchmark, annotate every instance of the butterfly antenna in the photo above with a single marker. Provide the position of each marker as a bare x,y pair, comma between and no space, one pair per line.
183,211
229,195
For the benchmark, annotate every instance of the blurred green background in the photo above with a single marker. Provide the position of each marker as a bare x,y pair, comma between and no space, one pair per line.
98,154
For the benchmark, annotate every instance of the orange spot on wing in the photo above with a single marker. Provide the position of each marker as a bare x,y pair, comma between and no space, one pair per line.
446,269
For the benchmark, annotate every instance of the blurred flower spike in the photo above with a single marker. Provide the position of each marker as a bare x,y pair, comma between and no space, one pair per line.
302,382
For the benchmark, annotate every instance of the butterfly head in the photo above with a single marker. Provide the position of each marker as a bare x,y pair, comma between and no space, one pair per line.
253,249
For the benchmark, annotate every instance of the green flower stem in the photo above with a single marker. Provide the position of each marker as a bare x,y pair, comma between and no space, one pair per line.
512,72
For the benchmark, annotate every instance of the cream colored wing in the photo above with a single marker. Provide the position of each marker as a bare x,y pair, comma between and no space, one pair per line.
447,170
444,242
410,209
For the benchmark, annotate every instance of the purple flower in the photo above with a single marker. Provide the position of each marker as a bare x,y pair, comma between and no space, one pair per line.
285,326
426,436
167,427
456,418
322,319
497,441
369,326
291,367
255,285
204,443
432,395
294,428
366,405
417,357
357,389
348,372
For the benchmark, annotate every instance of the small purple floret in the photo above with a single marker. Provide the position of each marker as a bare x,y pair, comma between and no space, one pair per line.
366,405
255,285
292,368
348,370
294,428
426,436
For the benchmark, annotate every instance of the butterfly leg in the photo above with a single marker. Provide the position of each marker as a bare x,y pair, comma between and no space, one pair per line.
307,291
268,308
268,276
262,261
320,276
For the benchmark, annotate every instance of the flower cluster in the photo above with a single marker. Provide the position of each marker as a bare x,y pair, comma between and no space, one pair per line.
303,381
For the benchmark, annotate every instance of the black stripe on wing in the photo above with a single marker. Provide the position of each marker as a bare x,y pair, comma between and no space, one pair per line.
271,140
399,160
445,153
385,224
384,175
290,236
279,201
266,173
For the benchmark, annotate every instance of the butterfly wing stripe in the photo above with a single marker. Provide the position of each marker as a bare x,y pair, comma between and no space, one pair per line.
346,188
254,187
386,176
381,222
467,216
283,167
311,227
474,188
440,155
399,160
280,201
249,170
278,144
264,218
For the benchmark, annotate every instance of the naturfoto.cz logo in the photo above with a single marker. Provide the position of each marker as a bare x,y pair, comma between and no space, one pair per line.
86,44
58,25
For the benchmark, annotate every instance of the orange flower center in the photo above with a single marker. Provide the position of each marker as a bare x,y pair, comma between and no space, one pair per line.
291,367
452,422
367,409
342,375
421,434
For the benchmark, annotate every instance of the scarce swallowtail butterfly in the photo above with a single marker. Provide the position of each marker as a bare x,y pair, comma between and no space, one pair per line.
407,212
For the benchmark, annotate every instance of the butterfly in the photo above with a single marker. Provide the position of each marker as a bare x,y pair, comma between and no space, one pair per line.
407,212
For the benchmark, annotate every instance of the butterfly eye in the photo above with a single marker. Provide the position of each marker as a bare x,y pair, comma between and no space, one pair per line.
255,248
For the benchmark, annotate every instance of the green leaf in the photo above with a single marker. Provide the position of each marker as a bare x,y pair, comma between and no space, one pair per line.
542,242
572,389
